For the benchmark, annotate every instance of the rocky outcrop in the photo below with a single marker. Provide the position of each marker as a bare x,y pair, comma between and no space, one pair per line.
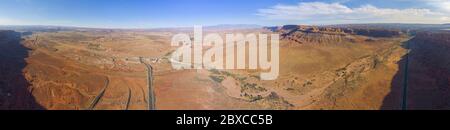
310,34
376,32
322,34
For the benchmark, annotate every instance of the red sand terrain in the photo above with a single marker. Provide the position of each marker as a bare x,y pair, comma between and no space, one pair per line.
320,68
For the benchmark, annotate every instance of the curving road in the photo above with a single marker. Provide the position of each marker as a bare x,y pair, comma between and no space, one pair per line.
99,96
151,93
129,99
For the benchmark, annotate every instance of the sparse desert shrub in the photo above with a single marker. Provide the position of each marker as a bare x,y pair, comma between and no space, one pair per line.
214,71
169,54
256,98
96,47
252,87
252,98
290,89
228,74
217,79
256,76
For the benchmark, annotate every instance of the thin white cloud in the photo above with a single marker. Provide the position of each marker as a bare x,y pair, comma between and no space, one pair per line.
330,13
443,5
7,21
10,21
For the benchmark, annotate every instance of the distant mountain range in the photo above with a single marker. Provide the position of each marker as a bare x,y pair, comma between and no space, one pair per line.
45,28
398,26
234,26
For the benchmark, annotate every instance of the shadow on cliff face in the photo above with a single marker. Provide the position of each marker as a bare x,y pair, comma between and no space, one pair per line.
393,101
14,88
424,73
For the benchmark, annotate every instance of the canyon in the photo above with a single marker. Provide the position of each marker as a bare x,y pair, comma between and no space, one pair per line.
339,67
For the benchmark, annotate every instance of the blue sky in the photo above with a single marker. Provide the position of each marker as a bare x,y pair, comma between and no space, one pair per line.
177,13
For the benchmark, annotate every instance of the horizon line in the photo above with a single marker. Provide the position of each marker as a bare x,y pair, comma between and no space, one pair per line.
185,27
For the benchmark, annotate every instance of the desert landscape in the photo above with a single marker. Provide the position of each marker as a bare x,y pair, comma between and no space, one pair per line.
330,67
